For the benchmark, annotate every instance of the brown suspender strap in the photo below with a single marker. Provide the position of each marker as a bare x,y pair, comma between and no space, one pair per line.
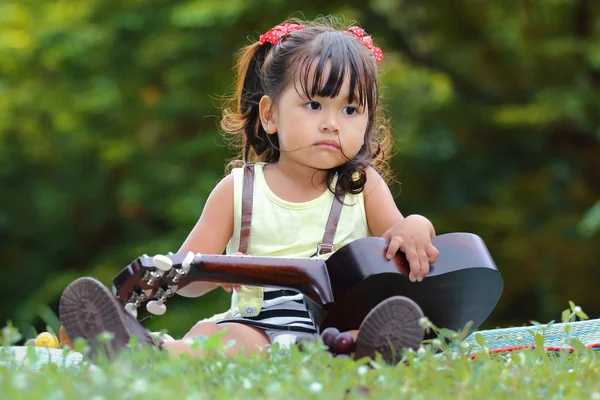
247,193
325,246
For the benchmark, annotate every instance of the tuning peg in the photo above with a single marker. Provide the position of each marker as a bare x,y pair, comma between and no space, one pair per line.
156,307
177,273
131,308
151,276
187,261
161,262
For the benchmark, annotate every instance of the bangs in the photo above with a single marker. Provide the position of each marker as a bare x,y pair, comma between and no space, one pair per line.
332,59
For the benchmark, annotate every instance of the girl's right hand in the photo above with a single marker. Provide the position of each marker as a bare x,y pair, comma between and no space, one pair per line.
227,286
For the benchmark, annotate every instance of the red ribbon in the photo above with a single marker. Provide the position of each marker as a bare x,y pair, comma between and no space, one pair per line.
360,33
275,34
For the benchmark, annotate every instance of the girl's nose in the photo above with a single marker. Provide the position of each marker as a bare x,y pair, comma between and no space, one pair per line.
330,124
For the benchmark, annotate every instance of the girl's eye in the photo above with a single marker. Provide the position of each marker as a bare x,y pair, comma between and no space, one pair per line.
349,110
313,105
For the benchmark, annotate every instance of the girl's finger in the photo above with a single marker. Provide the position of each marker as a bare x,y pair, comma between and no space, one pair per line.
432,253
413,261
396,244
424,264
226,288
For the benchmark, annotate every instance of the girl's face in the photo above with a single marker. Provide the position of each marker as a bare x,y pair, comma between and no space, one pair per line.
320,132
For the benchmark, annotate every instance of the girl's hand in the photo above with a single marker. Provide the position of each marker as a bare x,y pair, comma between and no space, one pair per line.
228,287
412,235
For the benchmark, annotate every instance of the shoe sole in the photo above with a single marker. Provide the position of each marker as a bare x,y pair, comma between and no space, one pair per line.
87,309
390,327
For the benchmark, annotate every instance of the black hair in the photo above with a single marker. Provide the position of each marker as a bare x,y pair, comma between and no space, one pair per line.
318,60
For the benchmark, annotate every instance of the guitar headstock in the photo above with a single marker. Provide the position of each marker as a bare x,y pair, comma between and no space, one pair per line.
152,279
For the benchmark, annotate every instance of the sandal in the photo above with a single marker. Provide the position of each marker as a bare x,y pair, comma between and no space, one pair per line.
87,309
388,328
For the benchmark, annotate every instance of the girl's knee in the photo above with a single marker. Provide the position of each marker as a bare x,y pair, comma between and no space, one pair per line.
204,329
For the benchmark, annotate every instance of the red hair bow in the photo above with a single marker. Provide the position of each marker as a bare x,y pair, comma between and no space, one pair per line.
275,34
360,33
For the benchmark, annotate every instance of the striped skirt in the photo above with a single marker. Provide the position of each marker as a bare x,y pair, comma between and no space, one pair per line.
281,310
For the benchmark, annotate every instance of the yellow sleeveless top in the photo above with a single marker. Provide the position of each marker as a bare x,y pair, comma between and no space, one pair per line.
280,228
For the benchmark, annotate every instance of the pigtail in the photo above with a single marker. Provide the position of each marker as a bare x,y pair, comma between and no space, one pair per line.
242,114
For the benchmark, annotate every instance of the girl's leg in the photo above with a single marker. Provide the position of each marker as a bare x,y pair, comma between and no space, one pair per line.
389,328
87,309
248,339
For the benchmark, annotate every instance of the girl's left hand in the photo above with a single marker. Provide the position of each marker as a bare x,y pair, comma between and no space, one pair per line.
412,235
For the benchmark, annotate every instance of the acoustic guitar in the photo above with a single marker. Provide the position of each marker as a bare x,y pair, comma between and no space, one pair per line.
463,285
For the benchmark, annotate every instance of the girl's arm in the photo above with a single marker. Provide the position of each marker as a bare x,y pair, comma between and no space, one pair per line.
412,234
381,209
212,232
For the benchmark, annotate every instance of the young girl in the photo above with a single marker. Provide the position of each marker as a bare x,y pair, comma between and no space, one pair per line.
312,180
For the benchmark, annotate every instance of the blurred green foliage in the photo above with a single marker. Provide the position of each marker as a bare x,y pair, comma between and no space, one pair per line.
109,143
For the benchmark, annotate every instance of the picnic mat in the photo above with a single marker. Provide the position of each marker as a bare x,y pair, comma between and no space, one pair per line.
36,357
556,337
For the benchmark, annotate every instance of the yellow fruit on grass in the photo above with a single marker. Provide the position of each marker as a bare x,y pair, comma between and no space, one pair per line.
46,339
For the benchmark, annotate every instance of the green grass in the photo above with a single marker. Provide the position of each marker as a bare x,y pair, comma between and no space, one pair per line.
312,373
430,373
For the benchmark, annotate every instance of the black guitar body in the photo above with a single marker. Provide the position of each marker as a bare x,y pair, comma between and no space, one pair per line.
463,285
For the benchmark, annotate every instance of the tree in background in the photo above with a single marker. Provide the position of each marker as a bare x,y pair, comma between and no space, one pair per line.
109,143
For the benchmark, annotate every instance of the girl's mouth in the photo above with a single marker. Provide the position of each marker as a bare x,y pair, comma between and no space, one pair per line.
328,144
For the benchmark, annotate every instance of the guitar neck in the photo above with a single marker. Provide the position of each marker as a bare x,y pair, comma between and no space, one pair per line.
308,276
